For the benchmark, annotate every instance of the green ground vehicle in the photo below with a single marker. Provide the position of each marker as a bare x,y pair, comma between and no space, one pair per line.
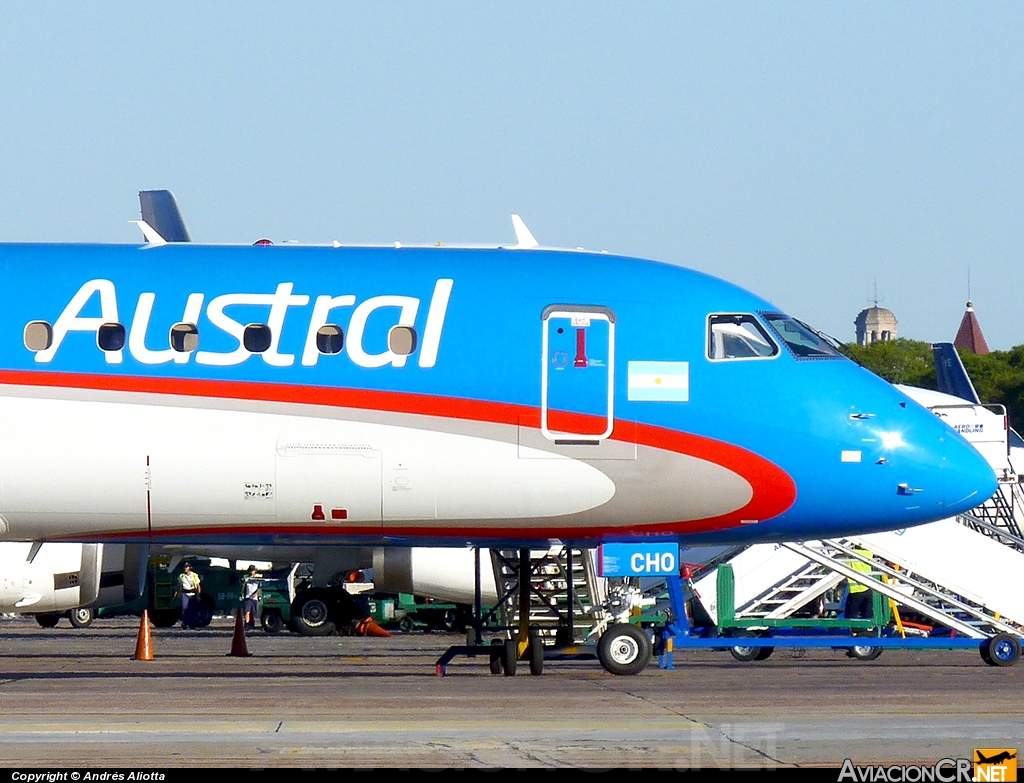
276,600
221,589
291,600
414,612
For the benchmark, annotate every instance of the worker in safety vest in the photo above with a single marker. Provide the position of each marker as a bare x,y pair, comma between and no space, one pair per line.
859,598
190,588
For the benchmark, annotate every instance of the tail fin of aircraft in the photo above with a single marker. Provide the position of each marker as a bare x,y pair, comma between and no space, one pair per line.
160,211
952,378
950,374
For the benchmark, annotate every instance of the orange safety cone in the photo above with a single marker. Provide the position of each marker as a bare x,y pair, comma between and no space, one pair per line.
144,646
238,642
368,627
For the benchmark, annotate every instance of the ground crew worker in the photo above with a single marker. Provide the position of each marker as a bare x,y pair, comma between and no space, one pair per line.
859,597
251,594
190,587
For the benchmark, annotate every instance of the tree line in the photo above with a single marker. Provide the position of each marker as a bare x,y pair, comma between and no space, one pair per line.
998,377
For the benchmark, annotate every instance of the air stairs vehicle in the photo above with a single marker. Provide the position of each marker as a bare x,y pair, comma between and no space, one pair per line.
552,602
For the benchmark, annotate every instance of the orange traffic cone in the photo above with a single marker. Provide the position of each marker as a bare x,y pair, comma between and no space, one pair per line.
368,627
144,646
238,642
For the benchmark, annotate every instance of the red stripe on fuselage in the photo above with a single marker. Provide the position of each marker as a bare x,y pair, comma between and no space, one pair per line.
773,489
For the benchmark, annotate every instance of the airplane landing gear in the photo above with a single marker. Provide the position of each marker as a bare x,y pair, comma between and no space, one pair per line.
624,649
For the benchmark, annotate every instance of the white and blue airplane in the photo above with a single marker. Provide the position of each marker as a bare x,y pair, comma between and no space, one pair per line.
376,396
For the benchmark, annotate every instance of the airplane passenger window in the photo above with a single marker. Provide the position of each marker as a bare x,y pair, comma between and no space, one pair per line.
38,335
256,338
402,340
738,337
184,337
802,341
110,336
330,339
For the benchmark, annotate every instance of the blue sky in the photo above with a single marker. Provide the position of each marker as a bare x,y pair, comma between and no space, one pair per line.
801,150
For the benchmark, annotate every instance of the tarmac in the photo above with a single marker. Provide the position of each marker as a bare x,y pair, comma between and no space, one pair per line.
77,698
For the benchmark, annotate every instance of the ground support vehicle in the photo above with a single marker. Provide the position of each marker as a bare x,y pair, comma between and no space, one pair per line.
291,600
756,639
413,613
221,587
551,605
275,601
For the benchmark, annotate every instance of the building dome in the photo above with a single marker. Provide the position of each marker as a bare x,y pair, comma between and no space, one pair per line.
875,324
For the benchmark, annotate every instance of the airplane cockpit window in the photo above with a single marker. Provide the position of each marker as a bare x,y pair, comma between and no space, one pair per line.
802,341
257,338
184,338
402,340
330,339
110,336
38,335
738,337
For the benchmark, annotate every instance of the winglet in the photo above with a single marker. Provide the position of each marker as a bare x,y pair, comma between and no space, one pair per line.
149,233
523,236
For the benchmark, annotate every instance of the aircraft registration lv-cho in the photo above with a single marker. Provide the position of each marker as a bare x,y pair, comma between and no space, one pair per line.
438,396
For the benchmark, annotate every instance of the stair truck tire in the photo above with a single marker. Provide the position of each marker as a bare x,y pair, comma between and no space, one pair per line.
510,657
535,652
624,649
742,652
1003,650
864,652
497,655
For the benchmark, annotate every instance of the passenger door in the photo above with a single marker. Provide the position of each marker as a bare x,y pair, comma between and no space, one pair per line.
578,373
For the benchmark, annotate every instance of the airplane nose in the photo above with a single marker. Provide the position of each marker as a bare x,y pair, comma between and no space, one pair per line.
968,479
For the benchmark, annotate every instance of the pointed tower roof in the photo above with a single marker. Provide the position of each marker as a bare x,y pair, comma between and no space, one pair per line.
969,334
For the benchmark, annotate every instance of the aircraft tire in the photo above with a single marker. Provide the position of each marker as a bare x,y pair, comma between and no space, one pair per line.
510,658
48,620
624,649
81,617
497,654
1003,650
311,614
272,621
535,652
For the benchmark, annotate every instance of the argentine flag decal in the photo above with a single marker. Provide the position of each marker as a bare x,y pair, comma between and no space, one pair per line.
659,381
